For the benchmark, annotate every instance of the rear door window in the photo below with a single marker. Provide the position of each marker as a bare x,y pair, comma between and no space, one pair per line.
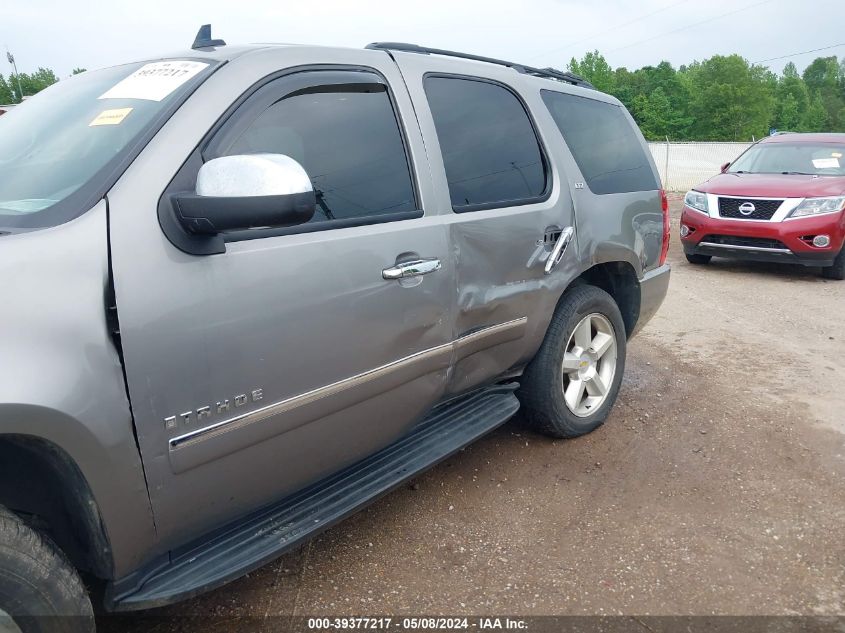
603,142
490,150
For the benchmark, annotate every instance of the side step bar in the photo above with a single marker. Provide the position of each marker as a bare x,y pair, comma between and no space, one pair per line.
233,551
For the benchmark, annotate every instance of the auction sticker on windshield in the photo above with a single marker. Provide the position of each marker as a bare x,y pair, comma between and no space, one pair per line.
110,117
826,163
154,81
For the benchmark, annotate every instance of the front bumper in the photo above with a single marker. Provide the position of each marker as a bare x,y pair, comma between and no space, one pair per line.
709,235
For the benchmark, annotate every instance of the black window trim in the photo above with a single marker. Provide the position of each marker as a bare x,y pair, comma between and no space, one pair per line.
208,147
544,156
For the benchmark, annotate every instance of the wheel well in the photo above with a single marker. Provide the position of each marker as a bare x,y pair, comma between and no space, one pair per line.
40,483
619,280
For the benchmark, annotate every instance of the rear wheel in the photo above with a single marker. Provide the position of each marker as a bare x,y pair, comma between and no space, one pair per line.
837,271
39,589
698,259
570,386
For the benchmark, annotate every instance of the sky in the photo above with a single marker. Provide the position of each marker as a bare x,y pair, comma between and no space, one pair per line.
64,35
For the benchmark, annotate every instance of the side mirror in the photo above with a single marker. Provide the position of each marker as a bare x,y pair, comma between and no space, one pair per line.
724,168
246,192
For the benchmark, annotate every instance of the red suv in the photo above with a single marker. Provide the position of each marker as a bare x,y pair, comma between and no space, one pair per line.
782,200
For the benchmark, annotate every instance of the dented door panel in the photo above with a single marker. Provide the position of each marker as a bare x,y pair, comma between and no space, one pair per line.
498,253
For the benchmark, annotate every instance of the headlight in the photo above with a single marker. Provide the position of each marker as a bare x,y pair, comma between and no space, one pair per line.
696,200
817,206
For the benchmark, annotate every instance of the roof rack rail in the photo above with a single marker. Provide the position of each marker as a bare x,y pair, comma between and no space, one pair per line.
548,73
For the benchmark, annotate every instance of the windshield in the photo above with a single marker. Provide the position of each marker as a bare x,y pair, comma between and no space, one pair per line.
815,159
66,140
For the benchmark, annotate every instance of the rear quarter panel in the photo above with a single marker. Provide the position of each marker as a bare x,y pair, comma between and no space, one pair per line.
616,226
622,226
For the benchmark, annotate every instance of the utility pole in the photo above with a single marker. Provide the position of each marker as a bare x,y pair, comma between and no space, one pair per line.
11,59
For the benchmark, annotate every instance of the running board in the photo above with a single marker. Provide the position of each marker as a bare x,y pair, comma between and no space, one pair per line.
250,543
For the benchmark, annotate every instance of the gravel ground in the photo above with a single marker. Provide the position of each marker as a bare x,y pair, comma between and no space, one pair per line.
715,487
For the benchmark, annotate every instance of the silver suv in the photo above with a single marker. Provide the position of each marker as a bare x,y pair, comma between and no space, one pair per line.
247,290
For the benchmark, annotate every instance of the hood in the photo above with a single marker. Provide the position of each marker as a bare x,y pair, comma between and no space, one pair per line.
774,185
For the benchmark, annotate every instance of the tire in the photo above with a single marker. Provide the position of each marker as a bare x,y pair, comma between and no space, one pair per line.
837,271
698,260
39,588
541,392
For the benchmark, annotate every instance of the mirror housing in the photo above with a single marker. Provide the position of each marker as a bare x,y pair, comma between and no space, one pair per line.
246,192
724,167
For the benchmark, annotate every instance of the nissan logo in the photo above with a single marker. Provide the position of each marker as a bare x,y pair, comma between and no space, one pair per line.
746,208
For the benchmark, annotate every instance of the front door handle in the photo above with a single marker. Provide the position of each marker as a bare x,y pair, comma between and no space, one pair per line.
413,268
560,246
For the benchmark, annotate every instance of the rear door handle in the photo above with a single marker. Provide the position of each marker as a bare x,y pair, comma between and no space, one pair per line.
413,268
560,246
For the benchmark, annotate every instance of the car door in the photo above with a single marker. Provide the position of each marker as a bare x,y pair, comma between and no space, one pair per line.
500,187
255,371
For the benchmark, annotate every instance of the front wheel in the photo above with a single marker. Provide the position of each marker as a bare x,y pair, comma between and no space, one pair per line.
39,589
837,271
570,386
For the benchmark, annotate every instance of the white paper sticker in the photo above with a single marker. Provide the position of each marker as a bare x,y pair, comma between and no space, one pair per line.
826,163
153,82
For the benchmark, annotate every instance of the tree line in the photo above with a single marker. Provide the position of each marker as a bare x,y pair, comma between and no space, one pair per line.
724,98
13,87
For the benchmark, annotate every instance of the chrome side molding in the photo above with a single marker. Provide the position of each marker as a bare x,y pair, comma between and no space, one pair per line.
322,401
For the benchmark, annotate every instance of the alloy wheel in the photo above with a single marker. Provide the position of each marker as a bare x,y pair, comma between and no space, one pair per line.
589,364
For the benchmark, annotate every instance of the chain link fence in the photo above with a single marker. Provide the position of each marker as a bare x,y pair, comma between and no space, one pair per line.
684,165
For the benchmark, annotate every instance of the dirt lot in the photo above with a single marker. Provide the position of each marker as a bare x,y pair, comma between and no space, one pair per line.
717,486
